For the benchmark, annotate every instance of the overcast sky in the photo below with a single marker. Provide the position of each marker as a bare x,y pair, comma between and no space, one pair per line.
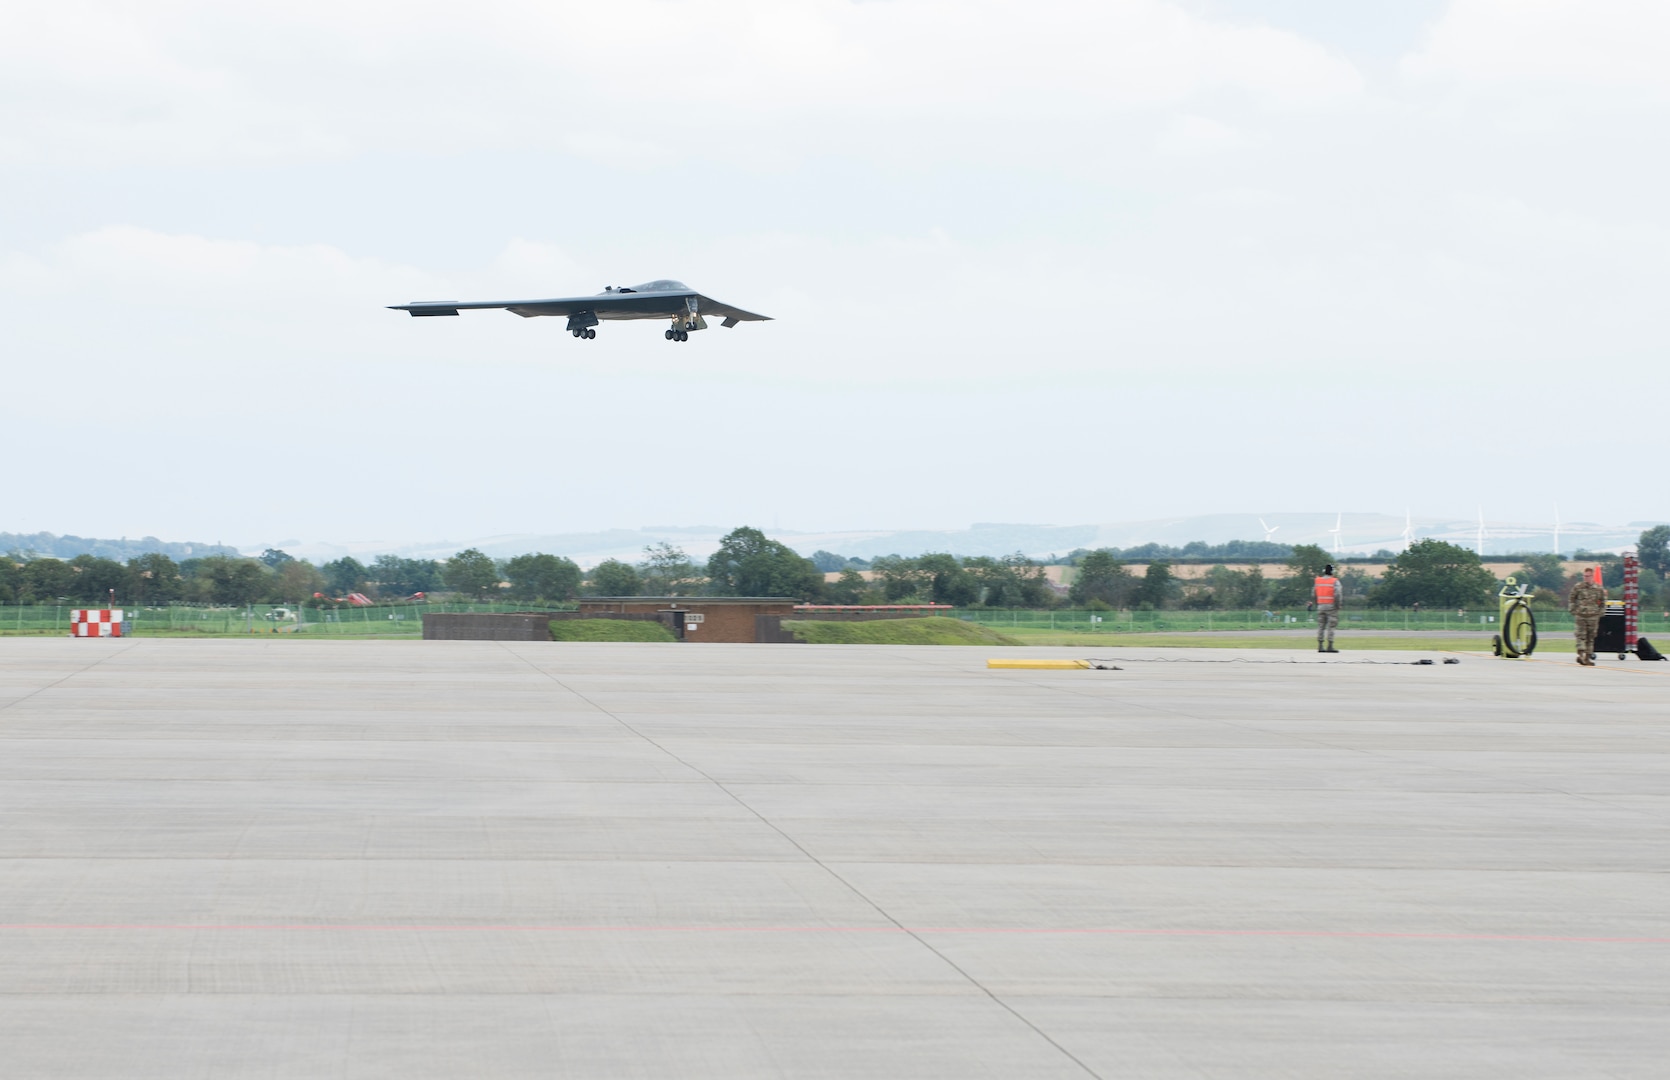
1037,261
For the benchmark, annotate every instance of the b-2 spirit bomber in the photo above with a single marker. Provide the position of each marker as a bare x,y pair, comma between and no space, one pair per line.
673,300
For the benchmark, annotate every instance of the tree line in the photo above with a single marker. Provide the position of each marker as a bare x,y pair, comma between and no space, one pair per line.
1432,573
747,563
1429,573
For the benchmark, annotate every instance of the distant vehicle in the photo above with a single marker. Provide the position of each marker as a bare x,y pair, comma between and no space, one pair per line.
664,299
279,614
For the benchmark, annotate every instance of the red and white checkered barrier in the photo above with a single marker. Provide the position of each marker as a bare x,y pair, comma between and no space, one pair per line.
96,622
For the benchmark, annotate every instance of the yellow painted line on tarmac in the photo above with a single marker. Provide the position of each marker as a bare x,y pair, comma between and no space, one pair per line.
1039,665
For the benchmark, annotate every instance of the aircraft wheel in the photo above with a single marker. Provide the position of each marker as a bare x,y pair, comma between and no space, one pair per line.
683,335
669,335
576,333
591,331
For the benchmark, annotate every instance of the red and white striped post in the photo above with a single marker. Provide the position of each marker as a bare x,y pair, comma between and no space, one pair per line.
1632,601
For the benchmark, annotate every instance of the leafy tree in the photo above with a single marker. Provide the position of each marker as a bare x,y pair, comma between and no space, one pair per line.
96,578
274,558
899,577
542,577
345,575
1546,572
1653,549
1102,578
1159,585
470,573
611,577
1435,574
395,576
1250,590
1199,597
851,588
224,579
942,577
1012,581
667,571
295,582
749,564
1232,589
1194,549
47,579
828,562
153,578
11,577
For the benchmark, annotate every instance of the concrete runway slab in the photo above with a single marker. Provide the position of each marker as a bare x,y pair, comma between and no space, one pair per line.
435,859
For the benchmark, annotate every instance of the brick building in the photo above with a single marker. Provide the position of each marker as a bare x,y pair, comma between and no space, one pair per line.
698,618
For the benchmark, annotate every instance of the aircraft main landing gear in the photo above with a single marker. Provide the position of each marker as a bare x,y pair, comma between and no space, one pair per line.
677,335
586,332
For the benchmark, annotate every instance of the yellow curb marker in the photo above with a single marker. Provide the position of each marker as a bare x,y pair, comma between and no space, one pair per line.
1039,665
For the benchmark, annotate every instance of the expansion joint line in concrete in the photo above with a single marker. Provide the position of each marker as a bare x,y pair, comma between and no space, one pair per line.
826,868
79,671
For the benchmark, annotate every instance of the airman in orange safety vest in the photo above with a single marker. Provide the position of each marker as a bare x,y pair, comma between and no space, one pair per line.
1327,594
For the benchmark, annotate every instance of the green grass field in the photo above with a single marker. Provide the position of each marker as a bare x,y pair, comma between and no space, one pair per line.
933,630
609,630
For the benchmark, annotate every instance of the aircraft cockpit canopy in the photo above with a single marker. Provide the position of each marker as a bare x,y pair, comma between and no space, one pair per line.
664,285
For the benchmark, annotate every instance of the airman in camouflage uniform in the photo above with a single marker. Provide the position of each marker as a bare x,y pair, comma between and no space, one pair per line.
1587,604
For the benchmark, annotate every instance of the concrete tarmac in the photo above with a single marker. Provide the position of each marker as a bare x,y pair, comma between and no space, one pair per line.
286,858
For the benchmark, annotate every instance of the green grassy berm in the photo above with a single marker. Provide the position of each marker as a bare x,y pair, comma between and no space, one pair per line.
609,630
933,630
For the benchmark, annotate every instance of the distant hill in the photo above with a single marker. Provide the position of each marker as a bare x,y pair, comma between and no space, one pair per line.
68,546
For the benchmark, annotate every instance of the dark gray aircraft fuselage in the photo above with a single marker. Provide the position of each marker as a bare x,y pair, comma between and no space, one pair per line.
672,300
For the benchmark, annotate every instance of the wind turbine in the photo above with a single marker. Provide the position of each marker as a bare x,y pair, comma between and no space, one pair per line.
1482,533
1408,533
1338,522
1269,530
1556,528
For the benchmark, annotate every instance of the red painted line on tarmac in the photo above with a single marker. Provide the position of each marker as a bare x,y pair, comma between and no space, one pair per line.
361,928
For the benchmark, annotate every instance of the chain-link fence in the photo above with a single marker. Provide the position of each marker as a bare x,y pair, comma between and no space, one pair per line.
406,620
1387,620
377,620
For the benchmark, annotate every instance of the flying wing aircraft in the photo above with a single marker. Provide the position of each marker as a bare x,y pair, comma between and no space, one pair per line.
673,300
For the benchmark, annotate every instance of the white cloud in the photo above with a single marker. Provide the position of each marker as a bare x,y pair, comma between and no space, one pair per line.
1605,44
1190,135
138,267
199,82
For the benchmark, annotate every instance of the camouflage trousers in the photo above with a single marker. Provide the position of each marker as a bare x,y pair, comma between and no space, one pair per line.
1587,625
1326,622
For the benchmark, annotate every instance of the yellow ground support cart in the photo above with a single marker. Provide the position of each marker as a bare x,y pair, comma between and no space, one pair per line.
1518,638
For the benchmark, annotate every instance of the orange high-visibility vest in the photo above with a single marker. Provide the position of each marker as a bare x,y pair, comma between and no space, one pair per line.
1327,591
